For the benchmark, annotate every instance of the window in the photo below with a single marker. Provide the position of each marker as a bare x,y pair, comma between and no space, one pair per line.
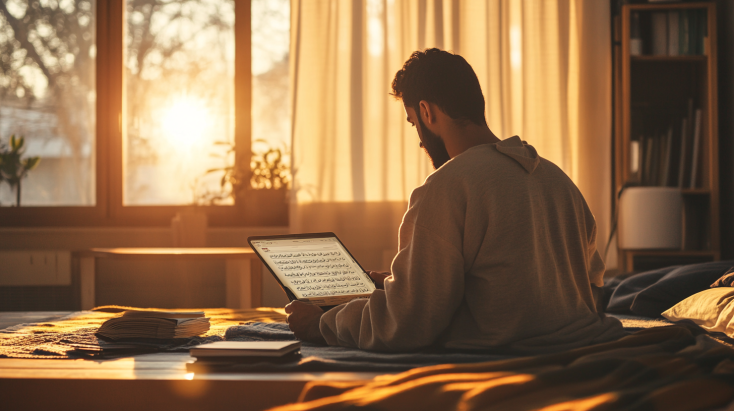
179,84
47,95
131,106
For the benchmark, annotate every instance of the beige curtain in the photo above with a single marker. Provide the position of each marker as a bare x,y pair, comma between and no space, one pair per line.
544,67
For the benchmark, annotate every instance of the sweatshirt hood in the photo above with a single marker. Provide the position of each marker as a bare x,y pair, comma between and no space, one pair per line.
521,152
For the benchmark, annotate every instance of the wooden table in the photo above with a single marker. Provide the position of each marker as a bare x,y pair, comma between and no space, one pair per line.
243,269
144,382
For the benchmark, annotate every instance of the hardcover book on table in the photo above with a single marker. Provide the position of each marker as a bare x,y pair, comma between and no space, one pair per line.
231,349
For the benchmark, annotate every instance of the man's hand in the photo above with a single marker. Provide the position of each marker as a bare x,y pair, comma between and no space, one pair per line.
379,278
303,319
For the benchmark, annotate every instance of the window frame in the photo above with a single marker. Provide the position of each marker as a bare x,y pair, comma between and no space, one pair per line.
254,209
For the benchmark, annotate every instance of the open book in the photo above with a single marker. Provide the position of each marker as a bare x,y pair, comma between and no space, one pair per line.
154,324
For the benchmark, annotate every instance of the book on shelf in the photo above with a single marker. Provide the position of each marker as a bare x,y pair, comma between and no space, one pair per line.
667,154
673,33
684,34
154,325
695,152
635,159
659,33
682,157
647,165
671,158
684,172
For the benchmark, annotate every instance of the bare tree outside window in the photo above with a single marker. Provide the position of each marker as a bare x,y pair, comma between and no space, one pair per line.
47,94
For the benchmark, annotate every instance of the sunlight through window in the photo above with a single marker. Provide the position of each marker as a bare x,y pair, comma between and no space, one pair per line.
185,123
179,79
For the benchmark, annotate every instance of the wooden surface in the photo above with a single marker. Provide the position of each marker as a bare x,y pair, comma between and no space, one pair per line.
144,382
243,269
151,381
174,252
709,166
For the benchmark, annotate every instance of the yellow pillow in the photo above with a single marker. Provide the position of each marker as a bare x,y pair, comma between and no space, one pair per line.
712,310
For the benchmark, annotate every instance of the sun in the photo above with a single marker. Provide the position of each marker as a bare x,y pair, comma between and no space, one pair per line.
186,122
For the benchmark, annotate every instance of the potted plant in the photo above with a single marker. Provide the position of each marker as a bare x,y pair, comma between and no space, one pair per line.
264,189
13,168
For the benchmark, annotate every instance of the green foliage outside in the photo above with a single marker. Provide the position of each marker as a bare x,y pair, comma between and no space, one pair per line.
13,167
268,171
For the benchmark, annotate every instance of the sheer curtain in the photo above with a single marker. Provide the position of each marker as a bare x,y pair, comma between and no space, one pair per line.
544,67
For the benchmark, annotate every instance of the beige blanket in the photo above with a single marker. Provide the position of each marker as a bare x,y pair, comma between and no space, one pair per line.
665,368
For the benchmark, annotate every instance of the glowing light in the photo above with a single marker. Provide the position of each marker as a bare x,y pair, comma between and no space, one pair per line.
515,47
186,122
189,376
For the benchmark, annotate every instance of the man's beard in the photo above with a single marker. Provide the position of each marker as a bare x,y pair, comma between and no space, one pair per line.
434,146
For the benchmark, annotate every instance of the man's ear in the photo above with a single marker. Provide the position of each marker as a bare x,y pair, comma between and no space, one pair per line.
427,112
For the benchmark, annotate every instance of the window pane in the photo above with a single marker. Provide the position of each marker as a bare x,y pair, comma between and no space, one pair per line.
47,95
179,79
271,109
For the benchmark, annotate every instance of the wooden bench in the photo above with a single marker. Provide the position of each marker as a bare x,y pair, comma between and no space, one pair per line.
243,269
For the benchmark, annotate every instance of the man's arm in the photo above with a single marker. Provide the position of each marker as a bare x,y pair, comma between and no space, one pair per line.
303,318
379,278
416,306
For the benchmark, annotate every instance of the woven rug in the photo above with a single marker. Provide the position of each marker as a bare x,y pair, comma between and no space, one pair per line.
54,340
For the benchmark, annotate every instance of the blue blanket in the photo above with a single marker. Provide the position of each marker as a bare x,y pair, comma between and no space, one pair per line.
652,292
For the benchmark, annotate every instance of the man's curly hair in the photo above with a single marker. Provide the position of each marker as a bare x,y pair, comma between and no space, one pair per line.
444,79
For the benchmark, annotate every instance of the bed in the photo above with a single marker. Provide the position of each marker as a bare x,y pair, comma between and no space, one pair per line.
660,365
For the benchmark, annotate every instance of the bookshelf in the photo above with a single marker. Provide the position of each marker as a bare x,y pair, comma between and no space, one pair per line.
666,120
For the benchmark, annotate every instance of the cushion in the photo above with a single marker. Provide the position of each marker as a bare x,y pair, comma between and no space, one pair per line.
712,310
726,280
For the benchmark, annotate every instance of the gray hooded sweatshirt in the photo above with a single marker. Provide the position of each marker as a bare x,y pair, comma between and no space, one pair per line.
496,251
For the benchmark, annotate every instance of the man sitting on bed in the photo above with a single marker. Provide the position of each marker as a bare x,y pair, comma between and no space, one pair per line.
497,247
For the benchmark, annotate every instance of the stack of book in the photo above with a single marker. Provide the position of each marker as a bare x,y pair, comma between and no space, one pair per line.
230,355
139,332
670,158
675,32
154,325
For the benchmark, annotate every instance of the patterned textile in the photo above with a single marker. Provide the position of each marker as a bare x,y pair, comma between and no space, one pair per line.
57,339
